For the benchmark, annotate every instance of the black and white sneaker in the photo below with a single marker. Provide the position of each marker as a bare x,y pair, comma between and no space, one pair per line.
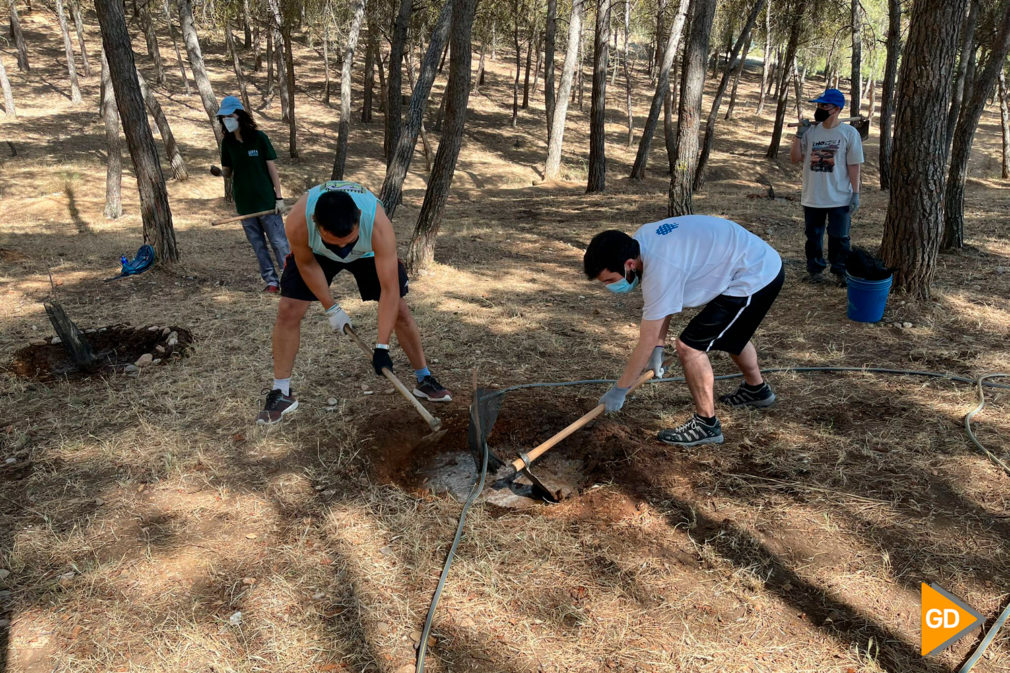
430,389
745,397
693,433
276,406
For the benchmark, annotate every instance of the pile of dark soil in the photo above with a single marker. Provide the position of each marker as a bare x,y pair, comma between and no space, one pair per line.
120,348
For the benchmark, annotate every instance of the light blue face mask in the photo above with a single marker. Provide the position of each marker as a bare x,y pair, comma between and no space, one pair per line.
623,286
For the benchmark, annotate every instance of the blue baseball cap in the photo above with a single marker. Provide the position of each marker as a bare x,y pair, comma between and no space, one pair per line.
831,97
228,105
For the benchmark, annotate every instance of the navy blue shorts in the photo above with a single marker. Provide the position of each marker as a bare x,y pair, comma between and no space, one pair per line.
727,323
363,270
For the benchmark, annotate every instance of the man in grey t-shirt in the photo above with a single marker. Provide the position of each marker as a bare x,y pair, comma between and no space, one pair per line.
831,153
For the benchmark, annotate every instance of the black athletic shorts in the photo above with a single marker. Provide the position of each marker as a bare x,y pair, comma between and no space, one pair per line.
363,270
727,323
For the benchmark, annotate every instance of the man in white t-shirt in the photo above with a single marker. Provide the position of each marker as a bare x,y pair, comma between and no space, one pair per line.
831,153
685,262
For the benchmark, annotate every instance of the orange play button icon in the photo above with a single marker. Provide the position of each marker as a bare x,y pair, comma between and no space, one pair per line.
945,619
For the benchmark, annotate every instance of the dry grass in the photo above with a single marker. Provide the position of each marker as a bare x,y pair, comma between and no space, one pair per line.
151,510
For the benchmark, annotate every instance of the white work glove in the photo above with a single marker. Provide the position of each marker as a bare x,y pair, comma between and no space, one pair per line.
803,127
280,207
854,203
613,399
338,319
656,362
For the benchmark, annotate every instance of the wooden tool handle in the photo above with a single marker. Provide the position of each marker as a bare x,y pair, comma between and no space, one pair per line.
519,464
242,217
432,422
793,125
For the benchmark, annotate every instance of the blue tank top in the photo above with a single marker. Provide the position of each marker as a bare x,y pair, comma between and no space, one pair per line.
366,203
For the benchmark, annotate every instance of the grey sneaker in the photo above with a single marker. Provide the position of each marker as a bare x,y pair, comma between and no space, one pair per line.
276,406
815,278
762,397
430,389
692,433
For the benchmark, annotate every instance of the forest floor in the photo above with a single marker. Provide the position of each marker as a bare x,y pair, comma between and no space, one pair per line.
149,525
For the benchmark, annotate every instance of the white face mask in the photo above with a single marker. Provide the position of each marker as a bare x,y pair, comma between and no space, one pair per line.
231,124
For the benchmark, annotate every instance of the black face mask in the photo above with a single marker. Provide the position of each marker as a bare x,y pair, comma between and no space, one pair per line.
821,114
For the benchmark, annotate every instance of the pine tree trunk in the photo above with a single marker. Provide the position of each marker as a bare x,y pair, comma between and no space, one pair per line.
246,23
19,39
75,11
380,69
289,62
657,56
271,80
963,70
765,59
914,219
550,35
179,171
582,68
662,92
713,114
345,91
257,52
396,172
887,95
518,51
326,56
237,65
782,86
627,74
1004,114
113,147
151,38
692,83
175,44
421,250
598,107
856,78
536,65
977,91
553,165
480,70
195,65
280,65
394,83
155,212
370,49
68,48
737,73
529,65
9,110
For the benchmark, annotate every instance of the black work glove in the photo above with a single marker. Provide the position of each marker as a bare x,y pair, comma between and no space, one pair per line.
380,359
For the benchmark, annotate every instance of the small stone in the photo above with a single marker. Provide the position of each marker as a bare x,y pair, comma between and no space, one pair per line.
329,493
153,328
144,360
4,573
166,331
318,595
906,325
55,340
173,335
172,340
99,502
156,361
67,578
90,330
368,392
235,619
11,461
332,401
131,369
159,349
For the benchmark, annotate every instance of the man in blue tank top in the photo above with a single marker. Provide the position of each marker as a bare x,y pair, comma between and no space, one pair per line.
333,227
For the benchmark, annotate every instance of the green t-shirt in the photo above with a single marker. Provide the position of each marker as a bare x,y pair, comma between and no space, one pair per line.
252,187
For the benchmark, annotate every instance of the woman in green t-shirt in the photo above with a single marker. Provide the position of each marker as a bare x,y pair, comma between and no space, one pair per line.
247,157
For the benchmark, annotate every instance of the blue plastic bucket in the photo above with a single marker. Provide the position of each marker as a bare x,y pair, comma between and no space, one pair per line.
867,298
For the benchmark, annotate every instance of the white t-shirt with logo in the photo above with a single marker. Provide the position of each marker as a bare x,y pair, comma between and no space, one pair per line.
827,155
692,259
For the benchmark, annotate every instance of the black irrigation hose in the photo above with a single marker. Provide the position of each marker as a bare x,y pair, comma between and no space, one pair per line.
981,382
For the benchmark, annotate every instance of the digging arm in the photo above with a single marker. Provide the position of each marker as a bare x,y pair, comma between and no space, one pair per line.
854,171
650,335
384,246
298,237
